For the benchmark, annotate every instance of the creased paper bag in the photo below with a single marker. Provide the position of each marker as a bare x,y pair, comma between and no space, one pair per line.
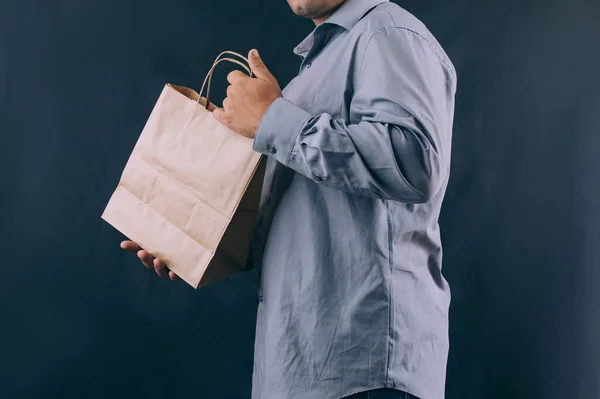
190,190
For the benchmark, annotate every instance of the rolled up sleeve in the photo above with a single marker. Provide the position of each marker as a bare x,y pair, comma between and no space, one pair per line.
396,143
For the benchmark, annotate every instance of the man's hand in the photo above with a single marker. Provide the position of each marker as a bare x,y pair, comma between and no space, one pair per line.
149,261
248,98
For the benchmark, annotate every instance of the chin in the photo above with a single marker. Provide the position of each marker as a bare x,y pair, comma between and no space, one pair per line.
298,7
304,8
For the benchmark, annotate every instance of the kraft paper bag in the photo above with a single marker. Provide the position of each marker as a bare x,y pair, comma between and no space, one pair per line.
190,190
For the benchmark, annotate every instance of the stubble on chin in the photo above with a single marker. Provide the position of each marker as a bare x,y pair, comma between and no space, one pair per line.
312,9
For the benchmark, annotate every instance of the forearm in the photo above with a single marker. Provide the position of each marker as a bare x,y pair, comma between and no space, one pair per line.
392,161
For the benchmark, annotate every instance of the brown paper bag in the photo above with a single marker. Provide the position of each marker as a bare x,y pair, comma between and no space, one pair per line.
190,190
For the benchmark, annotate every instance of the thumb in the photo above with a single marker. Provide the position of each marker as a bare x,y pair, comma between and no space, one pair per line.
258,67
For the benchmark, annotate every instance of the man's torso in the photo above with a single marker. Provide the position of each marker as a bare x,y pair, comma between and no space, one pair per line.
352,295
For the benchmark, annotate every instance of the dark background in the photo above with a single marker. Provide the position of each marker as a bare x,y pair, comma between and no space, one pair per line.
521,221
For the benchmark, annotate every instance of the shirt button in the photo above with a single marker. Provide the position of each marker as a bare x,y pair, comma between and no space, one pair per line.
318,178
308,65
272,149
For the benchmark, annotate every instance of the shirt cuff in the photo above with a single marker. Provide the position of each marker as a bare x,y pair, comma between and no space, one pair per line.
279,128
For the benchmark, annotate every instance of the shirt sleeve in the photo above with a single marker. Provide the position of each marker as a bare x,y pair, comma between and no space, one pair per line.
397,145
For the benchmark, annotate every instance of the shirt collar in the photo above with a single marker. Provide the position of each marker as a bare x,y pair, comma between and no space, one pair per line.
346,16
351,12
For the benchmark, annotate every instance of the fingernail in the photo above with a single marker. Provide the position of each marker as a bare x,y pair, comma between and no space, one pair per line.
254,53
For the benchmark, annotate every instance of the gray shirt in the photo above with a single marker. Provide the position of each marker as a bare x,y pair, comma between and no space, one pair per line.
347,247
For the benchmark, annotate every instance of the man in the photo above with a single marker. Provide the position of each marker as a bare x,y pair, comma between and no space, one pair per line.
347,247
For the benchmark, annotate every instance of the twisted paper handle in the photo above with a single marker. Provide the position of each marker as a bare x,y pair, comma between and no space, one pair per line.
208,77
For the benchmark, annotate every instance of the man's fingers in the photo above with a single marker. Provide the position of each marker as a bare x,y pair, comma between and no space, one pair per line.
149,261
236,77
160,268
146,258
222,116
227,103
229,91
218,114
130,246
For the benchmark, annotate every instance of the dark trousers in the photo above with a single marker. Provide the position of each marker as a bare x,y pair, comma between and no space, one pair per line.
384,393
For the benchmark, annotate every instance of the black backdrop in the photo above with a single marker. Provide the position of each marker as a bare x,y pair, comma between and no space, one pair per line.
521,220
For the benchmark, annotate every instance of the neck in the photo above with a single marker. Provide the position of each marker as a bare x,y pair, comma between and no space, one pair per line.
323,18
319,21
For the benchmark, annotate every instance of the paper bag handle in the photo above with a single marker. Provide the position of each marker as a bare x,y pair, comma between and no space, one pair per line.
210,72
